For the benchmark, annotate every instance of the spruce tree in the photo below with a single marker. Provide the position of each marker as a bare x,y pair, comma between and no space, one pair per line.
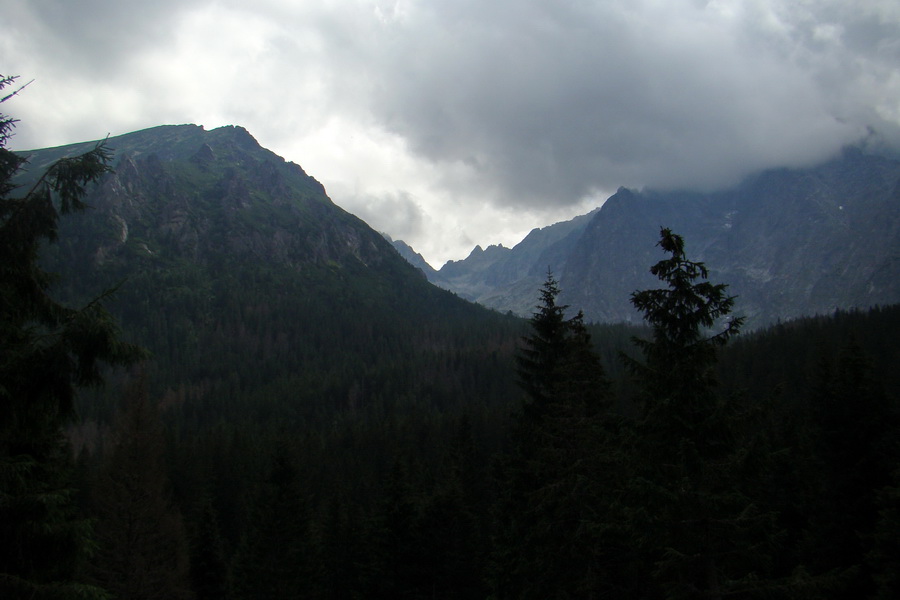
856,453
547,509
544,352
142,549
343,556
47,352
695,512
884,556
209,566
274,558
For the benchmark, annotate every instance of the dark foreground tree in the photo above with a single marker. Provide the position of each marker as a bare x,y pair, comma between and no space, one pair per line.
273,560
700,462
47,352
547,514
855,455
209,566
142,549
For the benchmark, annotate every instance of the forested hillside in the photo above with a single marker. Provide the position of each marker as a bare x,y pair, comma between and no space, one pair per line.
312,419
246,283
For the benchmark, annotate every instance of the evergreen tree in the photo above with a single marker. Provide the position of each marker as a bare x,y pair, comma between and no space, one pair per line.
343,556
544,354
274,560
47,352
209,567
855,454
884,556
448,540
694,505
547,513
398,562
142,546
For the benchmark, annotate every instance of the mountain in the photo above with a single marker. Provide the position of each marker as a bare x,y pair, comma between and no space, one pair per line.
330,425
412,257
507,279
254,292
179,193
789,242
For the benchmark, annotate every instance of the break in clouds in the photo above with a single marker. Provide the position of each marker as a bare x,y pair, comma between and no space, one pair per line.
517,104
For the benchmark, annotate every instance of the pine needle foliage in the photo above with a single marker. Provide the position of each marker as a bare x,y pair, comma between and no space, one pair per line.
47,351
701,458
550,491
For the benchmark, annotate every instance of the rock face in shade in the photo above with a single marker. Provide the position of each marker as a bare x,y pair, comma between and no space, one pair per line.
789,242
182,193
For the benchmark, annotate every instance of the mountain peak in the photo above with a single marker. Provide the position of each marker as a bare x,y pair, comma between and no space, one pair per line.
217,197
238,135
788,242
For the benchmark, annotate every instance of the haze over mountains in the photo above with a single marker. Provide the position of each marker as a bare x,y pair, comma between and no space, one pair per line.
788,242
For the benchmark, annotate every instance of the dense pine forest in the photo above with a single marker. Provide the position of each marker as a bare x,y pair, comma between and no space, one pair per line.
346,431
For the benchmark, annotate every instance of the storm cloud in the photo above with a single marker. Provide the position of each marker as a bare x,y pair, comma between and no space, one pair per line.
450,122
546,101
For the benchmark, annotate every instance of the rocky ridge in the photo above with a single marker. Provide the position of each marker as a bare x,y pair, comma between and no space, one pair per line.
789,242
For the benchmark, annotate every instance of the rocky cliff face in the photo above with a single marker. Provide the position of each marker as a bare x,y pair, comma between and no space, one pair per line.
179,193
412,257
507,279
788,242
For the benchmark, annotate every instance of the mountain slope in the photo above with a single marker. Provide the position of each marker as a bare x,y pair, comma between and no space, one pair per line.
788,242
413,257
505,278
256,294
204,193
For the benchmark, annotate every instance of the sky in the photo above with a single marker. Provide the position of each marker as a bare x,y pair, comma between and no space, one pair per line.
451,123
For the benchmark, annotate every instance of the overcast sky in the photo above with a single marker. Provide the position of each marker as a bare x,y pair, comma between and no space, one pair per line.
450,123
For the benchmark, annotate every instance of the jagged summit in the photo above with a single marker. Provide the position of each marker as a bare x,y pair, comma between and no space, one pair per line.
789,242
217,194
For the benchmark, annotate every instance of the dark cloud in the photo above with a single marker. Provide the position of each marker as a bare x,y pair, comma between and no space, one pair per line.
95,38
546,101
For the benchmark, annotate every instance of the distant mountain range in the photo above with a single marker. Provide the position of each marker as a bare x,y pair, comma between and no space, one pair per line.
201,204
789,242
